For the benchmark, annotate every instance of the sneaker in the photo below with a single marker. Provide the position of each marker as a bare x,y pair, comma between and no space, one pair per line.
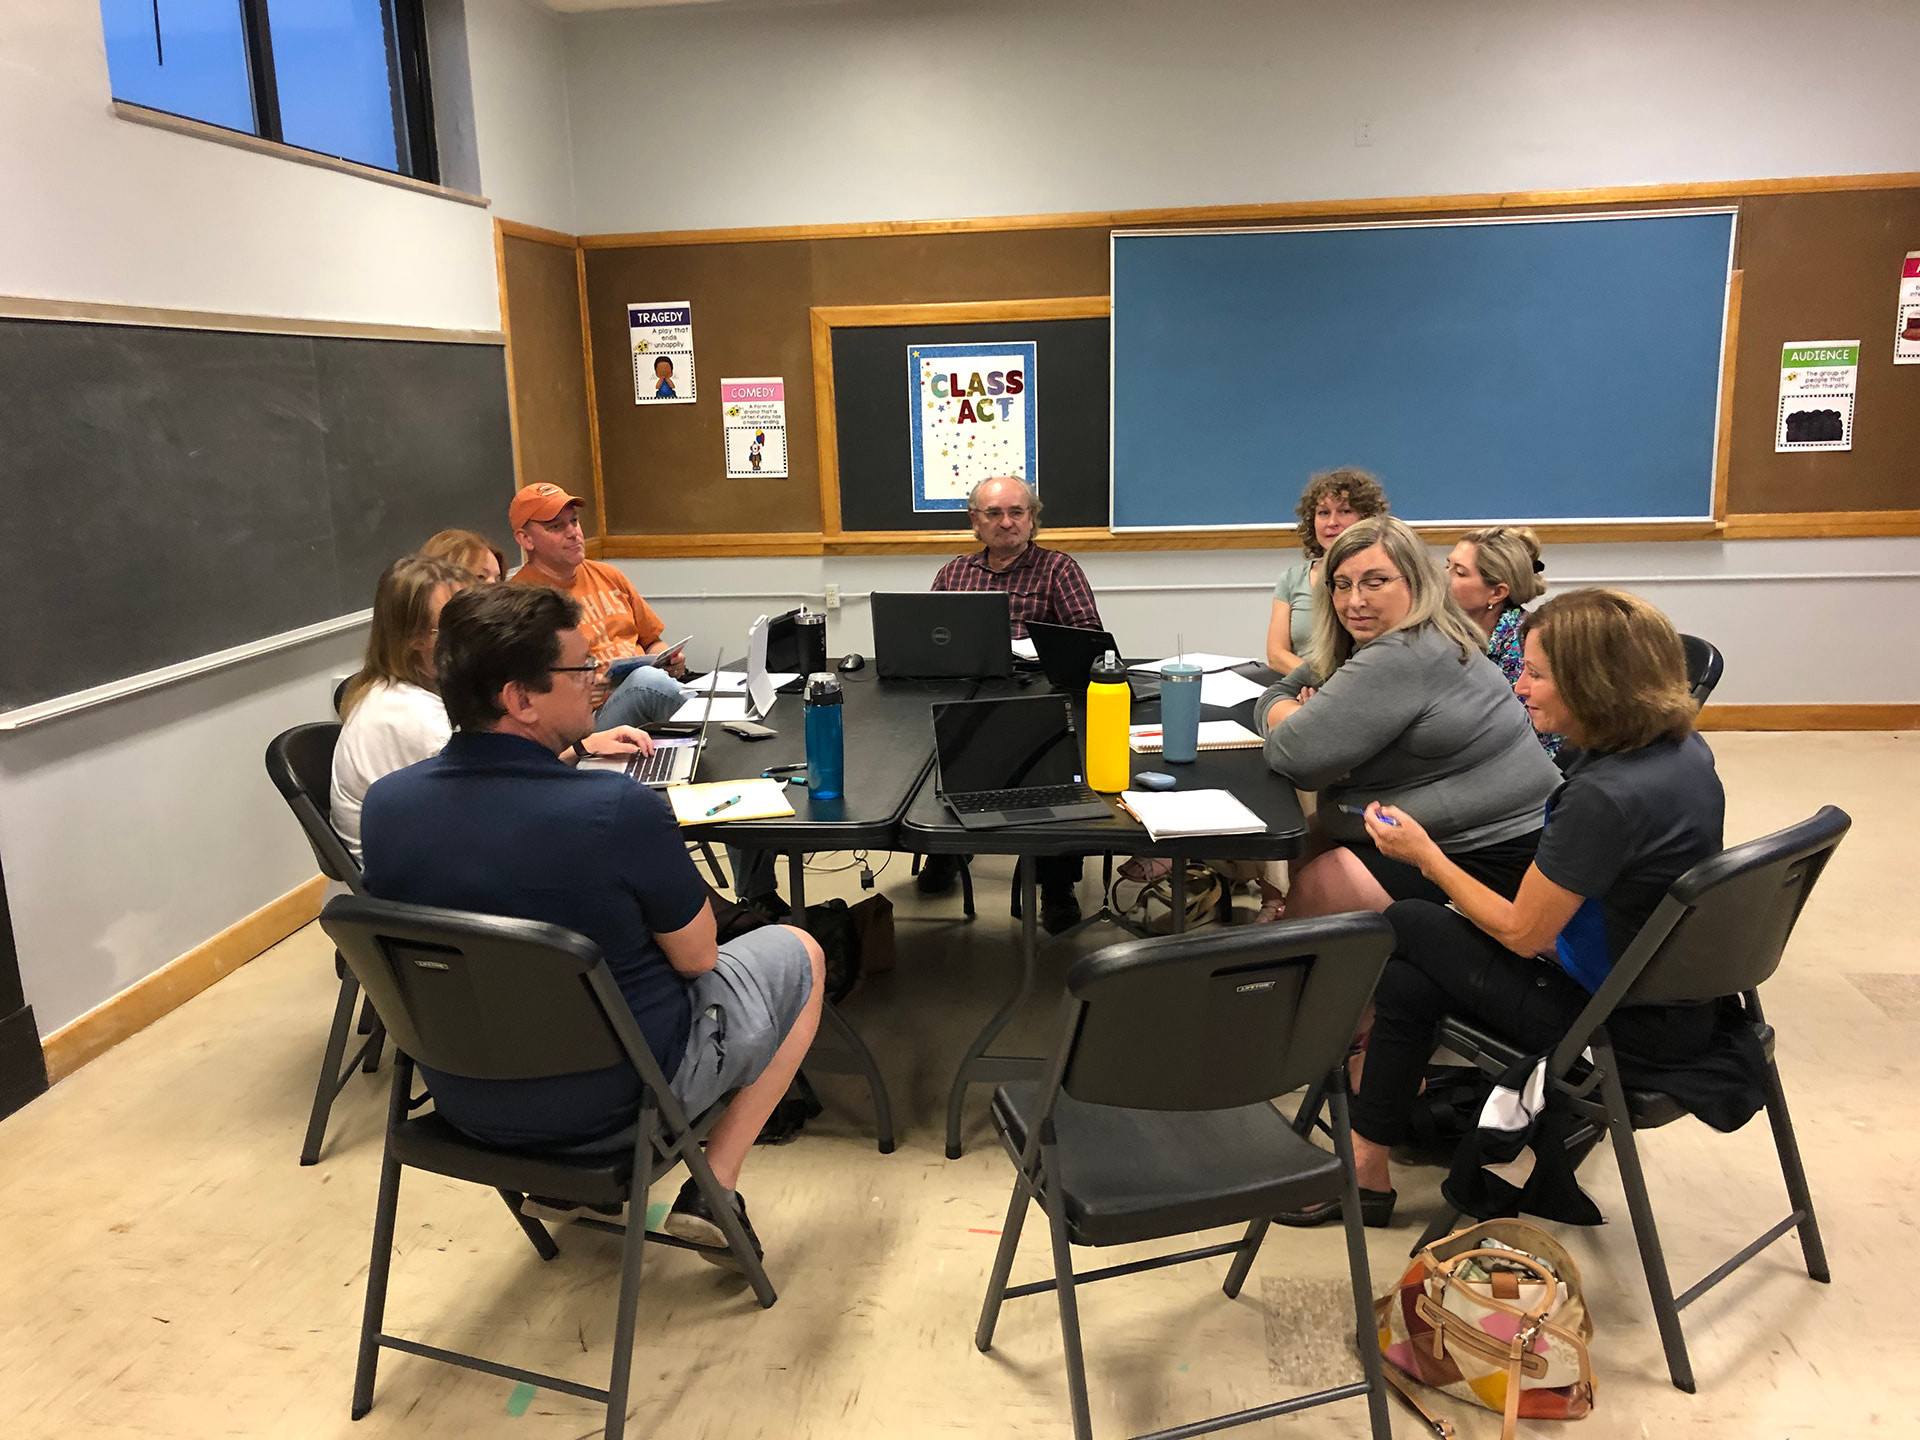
692,1221
937,874
562,1212
1059,908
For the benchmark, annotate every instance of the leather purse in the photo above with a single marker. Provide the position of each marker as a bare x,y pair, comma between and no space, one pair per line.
1493,1315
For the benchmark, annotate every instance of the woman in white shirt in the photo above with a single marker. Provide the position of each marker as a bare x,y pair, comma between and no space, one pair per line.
391,711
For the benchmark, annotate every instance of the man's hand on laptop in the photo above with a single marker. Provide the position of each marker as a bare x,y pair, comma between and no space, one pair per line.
620,740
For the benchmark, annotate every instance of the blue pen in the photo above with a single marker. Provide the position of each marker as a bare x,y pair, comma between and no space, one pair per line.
1361,811
730,800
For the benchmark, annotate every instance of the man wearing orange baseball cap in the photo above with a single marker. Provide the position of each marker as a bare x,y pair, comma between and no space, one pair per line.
617,622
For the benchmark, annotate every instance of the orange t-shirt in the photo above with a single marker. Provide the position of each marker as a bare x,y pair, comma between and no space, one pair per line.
617,622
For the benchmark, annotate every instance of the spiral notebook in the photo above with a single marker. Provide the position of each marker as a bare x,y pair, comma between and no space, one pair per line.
1214,735
1191,812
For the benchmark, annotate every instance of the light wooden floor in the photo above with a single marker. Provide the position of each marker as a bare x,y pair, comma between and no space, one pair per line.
167,1269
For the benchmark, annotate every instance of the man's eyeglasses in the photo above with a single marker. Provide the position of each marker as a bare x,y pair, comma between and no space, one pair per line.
1011,512
592,665
1369,584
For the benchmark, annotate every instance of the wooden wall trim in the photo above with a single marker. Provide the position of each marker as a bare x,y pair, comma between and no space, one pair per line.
593,404
1822,524
1068,307
521,231
701,547
178,981
1810,717
500,234
1282,210
1729,356
826,419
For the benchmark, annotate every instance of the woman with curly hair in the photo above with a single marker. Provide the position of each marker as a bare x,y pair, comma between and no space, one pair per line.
1332,501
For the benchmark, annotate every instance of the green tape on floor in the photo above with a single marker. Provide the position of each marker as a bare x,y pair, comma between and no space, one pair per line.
520,1399
657,1212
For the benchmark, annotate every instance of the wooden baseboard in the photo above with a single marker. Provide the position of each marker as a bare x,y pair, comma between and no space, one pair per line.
178,981
1810,717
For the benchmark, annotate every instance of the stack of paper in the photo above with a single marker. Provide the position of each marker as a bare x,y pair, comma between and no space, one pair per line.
1024,650
1225,689
734,682
1191,812
1214,735
1195,657
725,707
729,800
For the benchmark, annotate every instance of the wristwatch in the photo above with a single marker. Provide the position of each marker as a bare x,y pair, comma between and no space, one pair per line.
580,751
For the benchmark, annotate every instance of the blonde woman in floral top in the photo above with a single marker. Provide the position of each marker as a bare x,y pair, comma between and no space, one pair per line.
1495,572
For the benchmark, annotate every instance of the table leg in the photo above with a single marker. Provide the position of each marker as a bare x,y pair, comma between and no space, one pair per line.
1179,894
976,1066
859,1059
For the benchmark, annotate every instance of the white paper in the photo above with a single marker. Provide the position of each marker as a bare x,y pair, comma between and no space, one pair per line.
725,707
759,683
1226,689
1191,812
1817,382
727,682
1024,650
753,424
1195,657
660,333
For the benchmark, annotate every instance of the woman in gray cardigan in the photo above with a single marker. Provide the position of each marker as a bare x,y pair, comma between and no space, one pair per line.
1398,702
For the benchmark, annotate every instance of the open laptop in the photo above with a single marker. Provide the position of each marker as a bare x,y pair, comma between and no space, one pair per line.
673,760
1013,761
942,635
1066,654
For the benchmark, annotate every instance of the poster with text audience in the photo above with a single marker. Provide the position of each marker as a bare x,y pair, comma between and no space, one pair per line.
973,418
1817,382
753,420
661,334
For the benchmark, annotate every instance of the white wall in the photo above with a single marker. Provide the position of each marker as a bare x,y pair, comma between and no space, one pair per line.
135,831
517,66
1799,621
741,114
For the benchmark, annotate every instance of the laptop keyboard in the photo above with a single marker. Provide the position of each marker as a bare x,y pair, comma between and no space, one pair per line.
982,801
657,768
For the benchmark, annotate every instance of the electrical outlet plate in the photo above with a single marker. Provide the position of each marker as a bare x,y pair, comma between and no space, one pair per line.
833,597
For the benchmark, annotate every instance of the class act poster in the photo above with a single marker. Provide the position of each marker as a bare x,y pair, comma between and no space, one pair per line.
974,412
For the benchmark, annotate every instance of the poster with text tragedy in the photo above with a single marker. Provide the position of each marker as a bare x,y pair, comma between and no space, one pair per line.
661,334
973,409
1906,317
1817,383
753,418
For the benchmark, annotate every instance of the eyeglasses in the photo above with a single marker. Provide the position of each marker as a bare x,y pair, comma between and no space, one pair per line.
1370,584
592,665
1011,512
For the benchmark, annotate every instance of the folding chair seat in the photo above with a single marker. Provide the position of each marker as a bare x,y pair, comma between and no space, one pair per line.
300,764
501,999
1153,1120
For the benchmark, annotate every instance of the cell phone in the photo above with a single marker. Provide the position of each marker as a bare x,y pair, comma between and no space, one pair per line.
670,728
748,730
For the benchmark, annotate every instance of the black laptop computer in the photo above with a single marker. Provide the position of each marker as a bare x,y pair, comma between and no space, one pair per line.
1012,761
942,635
1066,654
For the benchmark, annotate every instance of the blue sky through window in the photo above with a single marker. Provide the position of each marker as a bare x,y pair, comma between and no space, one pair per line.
197,67
330,59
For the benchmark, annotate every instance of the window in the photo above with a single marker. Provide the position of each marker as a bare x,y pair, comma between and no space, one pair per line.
341,77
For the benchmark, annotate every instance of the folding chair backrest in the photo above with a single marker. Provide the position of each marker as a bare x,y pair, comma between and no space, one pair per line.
484,996
1704,666
300,764
1221,1018
1736,912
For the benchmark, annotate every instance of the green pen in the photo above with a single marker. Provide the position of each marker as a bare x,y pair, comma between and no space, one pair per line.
730,800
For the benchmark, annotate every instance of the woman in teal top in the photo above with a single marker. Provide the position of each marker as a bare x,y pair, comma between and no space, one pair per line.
1332,501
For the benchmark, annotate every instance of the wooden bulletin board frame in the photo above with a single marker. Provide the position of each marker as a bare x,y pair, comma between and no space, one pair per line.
825,319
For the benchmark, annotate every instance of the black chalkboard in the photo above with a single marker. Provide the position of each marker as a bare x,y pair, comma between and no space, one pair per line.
873,413
165,494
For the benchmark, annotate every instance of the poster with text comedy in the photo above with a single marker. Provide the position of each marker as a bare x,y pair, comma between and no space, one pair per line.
973,418
661,334
753,418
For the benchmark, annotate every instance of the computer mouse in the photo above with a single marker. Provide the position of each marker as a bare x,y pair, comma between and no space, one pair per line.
1155,780
852,663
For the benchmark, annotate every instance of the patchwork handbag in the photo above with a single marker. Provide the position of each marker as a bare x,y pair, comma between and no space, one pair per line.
1493,1315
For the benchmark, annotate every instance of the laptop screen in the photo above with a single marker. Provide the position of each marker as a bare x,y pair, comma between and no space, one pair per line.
1005,744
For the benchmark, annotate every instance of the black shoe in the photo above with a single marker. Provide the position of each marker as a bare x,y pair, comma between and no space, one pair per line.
1059,908
692,1221
937,874
770,907
1376,1210
563,1212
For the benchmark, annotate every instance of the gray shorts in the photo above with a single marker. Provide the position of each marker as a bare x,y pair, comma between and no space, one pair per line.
742,1009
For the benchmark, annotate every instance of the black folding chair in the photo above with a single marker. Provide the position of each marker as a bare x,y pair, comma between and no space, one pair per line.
1704,665
500,999
1153,1118
1719,932
300,764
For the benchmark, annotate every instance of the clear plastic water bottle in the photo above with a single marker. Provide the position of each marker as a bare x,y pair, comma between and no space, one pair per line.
826,738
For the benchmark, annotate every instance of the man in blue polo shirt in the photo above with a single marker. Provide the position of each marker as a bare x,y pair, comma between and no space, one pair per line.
497,823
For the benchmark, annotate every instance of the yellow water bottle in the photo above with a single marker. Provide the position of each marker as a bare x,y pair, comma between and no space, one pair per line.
1109,703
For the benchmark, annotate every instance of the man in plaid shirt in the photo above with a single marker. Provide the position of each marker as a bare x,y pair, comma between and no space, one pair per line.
1040,584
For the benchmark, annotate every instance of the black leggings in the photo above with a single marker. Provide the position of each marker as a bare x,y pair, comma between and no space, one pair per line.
1443,964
